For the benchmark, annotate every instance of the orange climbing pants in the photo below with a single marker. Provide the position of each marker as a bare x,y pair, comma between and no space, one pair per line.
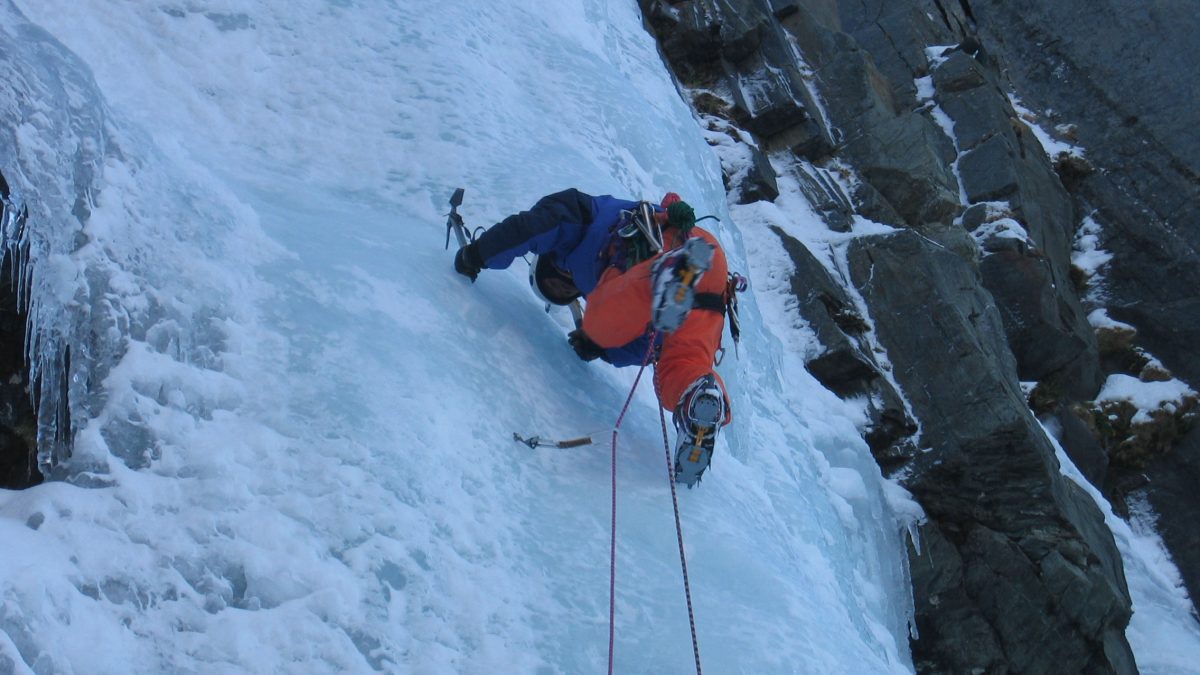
618,312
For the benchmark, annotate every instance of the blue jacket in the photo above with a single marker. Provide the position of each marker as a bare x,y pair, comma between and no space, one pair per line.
577,229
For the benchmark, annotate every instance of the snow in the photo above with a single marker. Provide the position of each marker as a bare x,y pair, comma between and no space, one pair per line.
1087,255
732,146
934,54
1099,318
303,460
925,88
1145,396
1053,147
1001,228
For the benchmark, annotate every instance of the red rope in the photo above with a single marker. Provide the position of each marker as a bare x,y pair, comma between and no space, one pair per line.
612,569
687,588
612,560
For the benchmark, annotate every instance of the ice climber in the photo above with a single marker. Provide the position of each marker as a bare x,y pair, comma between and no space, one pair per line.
643,270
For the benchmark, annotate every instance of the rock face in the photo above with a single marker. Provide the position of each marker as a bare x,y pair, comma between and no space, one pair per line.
1133,108
900,152
1016,570
1170,491
999,160
848,367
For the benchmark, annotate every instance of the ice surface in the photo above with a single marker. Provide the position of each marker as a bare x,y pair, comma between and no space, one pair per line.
301,460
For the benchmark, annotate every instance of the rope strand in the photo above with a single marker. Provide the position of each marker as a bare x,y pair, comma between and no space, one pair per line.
687,587
612,569
612,559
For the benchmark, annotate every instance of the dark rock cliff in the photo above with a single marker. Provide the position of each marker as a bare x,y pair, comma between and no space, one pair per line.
1016,571
975,292
1121,74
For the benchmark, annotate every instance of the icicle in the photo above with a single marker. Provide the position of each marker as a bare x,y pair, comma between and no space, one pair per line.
31,345
21,253
914,534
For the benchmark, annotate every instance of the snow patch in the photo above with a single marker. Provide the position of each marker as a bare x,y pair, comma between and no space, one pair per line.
1002,228
1087,255
1147,397
1054,148
1099,318
934,54
925,89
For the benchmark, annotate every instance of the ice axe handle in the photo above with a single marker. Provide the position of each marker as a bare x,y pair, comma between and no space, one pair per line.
455,222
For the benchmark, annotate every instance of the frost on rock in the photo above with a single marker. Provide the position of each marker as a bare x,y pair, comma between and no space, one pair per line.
926,95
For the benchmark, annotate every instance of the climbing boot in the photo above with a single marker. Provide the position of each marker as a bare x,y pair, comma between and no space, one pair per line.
674,276
698,418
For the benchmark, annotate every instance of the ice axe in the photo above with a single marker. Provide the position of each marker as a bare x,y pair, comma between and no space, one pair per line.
454,221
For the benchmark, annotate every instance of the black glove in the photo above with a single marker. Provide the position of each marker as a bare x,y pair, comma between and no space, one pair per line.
583,345
467,261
